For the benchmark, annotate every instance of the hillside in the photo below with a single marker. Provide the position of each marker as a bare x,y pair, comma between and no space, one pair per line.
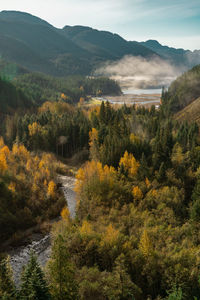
12,101
38,46
17,16
184,59
191,113
40,87
183,91
103,43
10,70
12,98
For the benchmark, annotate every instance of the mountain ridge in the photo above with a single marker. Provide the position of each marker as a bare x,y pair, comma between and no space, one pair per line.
73,49
174,55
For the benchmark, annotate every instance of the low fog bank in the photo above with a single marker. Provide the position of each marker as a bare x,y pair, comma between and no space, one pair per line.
140,73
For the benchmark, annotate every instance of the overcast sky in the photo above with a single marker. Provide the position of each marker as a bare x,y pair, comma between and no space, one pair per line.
172,22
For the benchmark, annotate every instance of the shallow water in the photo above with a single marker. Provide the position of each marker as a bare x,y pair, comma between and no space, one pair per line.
141,91
41,245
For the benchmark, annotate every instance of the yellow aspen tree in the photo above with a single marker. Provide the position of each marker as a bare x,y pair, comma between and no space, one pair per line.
12,187
147,182
153,193
36,161
91,169
34,128
20,151
29,165
51,189
23,152
145,245
41,164
177,155
47,172
65,213
86,228
5,150
137,193
130,164
111,235
15,149
3,162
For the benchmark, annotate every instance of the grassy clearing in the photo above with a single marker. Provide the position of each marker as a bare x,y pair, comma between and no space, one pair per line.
92,101
190,113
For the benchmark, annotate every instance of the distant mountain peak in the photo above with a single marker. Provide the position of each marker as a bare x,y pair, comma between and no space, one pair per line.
153,42
19,16
15,12
79,27
156,44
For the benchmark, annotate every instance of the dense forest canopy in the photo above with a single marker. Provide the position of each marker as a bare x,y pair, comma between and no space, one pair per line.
40,87
136,230
137,201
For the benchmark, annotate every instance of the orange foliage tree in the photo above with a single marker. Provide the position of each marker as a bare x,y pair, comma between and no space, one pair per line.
130,164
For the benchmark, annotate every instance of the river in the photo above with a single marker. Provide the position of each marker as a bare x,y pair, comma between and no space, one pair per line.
41,245
146,97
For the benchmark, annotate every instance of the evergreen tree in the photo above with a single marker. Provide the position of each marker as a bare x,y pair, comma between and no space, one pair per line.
195,208
143,169
175,294
127,289
61,270
102,112
33,284
7,286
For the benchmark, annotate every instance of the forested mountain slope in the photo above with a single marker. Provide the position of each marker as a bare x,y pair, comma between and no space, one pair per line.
190,113
184,59
12,98
39,46
41,87
103,43
184,90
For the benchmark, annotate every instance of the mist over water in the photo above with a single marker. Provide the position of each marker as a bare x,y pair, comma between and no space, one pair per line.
137,72
131,91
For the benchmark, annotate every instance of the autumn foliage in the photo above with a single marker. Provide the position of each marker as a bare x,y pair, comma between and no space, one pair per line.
130,164
27,181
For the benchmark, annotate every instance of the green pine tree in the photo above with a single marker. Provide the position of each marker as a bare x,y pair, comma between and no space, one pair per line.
7,286
33,284
175,294
61,271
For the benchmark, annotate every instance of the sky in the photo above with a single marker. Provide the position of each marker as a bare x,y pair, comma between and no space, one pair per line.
175,23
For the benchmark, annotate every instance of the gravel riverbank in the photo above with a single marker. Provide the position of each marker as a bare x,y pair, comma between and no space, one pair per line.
40,244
